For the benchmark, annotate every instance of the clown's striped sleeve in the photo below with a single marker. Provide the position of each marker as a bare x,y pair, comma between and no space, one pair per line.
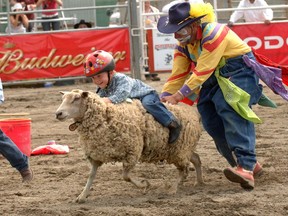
217,41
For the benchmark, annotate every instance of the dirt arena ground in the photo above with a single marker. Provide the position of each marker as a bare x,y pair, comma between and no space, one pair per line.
59,179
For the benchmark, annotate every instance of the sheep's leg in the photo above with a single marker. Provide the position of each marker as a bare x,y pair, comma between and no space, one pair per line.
182,174
195,159
82,197
143,184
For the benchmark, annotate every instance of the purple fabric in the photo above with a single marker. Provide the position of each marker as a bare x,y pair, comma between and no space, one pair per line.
185,90
179,48
212,35
164,94
271,76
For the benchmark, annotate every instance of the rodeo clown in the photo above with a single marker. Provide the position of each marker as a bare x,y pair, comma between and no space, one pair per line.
225,80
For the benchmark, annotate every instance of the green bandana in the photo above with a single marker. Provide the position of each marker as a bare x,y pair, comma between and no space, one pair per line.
236,97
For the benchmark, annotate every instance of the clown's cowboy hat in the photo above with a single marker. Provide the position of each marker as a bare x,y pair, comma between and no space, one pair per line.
178,17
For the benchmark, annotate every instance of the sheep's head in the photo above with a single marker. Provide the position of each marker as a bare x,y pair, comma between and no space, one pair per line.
72,105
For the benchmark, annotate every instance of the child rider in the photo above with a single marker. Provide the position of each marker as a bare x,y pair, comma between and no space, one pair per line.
116,87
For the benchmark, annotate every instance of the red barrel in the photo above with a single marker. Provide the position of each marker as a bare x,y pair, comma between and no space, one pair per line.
19,131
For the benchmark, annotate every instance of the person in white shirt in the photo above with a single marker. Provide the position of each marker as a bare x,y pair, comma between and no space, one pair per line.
166,7
18,22
150,21
260,15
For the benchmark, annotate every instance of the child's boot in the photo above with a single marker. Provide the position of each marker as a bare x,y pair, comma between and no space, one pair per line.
174,131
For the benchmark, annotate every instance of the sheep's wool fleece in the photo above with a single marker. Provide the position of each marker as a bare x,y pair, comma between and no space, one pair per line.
125,132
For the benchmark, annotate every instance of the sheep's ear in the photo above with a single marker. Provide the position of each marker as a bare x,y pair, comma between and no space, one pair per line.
63,92
84,94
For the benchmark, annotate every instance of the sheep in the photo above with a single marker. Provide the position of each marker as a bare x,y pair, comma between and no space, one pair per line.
126,133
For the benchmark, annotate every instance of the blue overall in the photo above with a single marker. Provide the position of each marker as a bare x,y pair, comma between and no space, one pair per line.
12,153
230,132
9,149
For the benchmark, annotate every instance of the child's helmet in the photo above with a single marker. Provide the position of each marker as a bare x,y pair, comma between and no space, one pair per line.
98,62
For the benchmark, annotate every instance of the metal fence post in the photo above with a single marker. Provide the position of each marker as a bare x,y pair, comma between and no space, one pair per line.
136,53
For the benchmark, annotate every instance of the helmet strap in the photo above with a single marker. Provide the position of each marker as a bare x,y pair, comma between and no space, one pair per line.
109,77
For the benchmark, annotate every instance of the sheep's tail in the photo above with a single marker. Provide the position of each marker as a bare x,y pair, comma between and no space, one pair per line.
187,132
191,133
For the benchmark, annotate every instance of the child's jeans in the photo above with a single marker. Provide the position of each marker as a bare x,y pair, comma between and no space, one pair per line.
151,102
12,153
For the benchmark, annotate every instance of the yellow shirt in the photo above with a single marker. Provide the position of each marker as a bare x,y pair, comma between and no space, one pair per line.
217,41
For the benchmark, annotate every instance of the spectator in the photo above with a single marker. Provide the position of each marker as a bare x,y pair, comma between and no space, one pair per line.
83,24
18,22
219,54
12,153
166,7
49,5
12,2
116,87
260,15
150,21
29,5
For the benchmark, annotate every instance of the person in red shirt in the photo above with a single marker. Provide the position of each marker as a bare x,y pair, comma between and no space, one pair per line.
49,5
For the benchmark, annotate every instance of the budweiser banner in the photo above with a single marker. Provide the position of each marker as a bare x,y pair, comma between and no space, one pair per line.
54,55
269,40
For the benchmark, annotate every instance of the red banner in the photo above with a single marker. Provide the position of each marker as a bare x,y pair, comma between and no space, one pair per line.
53,55
269,40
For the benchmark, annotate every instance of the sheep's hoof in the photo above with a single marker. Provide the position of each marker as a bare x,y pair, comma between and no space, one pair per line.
147,185
199,184
172,191
170,188
184,180
80,199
